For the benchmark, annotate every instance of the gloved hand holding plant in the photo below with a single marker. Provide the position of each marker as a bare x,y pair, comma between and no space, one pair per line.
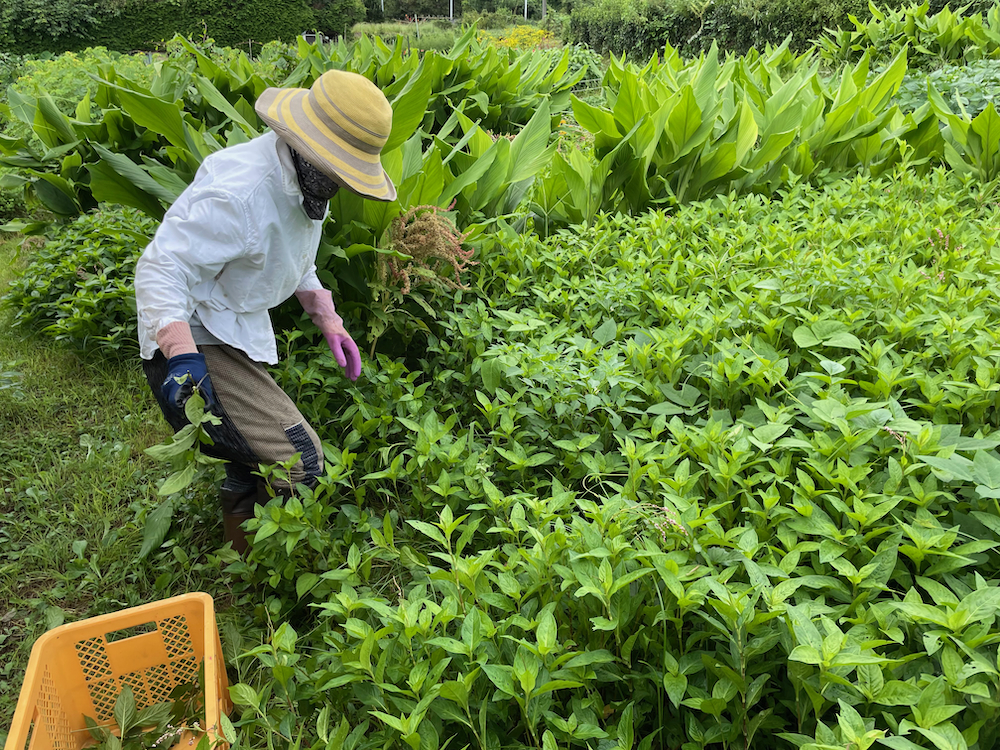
345,351
318,303
185,372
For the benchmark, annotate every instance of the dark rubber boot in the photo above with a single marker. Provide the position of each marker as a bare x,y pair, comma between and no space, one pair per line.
237,507
264,497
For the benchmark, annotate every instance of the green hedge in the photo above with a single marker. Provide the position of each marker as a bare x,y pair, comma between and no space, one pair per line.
641,27
144,25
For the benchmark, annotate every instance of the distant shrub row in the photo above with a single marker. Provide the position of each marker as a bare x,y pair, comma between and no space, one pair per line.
35,26
641,27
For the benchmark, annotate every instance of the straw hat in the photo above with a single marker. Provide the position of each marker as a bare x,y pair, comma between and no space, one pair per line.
339,126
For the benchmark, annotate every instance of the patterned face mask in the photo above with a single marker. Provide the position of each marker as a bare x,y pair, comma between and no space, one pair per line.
317,189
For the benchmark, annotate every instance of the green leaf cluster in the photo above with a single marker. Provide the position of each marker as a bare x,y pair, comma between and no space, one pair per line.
678,130
78,288
935,38
728,479
969,86
145,727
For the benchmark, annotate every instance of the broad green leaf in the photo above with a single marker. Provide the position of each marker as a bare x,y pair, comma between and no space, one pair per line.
676,686
594,119
806,632
228,730
468,177
83,108
158,713
986,125
626,728
305,582
502,677
214,97
552,685
870,680
156,114
683,122
720,162
877,94
770,432
529,151
451,645
900,743
806,655
746,135
156,527
852,726
923,612
956,466
59,126
829,410
844,340
986,469
137,175
179,480
429,530
981,604
109,186
804,337
494,180
898,693
409,108
606,333
588,658
945,737
56,194
546,633
125,710
284,638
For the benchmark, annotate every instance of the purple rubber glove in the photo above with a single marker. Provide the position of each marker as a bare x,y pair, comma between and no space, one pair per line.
345,351
318,303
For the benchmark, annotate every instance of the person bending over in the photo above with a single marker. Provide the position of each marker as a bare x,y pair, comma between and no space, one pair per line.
240,240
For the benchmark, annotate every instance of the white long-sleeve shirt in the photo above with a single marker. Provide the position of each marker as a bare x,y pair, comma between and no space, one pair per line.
236,243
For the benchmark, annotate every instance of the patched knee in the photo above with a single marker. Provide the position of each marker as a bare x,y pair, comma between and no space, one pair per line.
310,465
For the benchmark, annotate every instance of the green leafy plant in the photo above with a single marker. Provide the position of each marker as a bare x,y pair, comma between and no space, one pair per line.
677,130
970,87
971,144
78,286
153,726
935,38
724,482
183,452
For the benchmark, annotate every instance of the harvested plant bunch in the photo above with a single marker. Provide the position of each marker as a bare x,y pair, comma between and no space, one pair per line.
431,240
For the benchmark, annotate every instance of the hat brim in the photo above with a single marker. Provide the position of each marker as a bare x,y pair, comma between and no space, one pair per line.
289,114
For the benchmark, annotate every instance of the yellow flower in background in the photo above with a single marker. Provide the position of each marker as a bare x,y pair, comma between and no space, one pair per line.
521,37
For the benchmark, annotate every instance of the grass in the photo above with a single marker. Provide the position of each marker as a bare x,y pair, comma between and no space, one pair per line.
428,36
76,487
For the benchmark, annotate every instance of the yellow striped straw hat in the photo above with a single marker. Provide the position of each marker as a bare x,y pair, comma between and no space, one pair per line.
339,126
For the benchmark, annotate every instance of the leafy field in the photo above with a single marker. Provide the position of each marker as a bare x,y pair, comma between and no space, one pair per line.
702,455
756,518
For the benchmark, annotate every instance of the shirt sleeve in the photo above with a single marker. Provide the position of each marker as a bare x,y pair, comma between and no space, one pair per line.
191,247
310,281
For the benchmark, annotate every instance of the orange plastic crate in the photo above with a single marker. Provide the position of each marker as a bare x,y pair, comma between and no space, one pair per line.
76,670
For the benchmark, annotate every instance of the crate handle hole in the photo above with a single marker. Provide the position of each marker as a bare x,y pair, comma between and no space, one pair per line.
121,635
